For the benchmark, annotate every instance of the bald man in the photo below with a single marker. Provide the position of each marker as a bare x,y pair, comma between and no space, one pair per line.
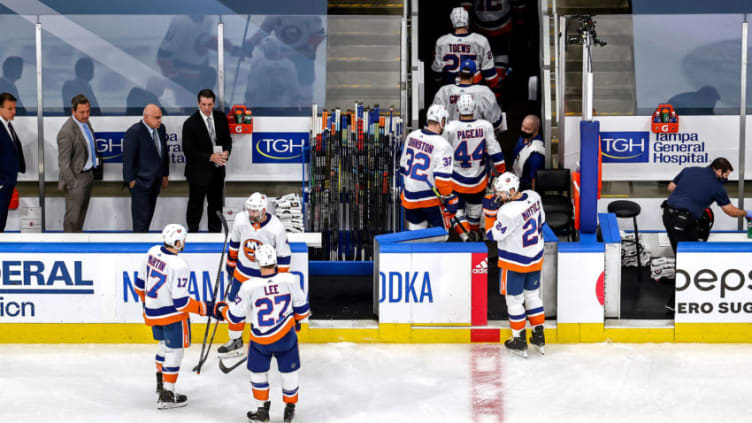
145,165
529,153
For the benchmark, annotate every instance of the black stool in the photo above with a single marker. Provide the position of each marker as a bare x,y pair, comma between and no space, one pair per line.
625,209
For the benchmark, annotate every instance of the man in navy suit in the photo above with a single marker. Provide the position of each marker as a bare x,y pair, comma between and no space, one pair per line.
11,155
145,165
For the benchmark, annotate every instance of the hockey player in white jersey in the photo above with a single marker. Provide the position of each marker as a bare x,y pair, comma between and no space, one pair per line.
426,169
162,285
474,144
250,231
518,230
452,49
275,304
486,106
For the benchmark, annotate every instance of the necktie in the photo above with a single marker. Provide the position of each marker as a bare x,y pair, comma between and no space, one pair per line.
17,143
93,150
212,134
156,142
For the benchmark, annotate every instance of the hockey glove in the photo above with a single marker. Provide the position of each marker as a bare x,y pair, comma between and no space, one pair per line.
491,203
218,309
208,308
451,203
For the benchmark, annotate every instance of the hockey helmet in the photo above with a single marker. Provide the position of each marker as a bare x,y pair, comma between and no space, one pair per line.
173,233
266,255
437,113
459,17
466,104
256,202
505,183
468,66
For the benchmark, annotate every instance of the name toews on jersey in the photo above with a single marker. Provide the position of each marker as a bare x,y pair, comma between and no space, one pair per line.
519,233
162,285
452,49
486,106
247,237
272,304
426,163
473,142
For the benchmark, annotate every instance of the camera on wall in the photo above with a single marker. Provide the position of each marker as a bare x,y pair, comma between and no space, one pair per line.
586,26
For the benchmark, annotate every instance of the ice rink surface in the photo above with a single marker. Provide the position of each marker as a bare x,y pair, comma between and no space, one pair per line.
392,383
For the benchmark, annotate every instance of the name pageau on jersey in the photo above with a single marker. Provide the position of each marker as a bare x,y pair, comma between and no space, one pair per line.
473,142
426,162
486,106
162,285
519,232
247,237
452,49
272,304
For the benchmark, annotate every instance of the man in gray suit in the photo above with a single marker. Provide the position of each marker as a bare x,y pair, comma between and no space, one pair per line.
77,160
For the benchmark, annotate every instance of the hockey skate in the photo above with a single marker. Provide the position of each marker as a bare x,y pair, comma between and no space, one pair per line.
518,344
289,413
261,414
538,339
233,348
159,383
169,399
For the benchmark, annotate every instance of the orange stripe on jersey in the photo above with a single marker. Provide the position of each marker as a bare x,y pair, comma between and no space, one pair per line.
140,293
302,316
290,400
240,276
261,394
515,267
501,167
444,186
232,254
283,269
277,336
163,321
419,204
503,282
463,189
195,307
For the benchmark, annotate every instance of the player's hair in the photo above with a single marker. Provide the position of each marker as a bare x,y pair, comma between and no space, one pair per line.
6,97
206,93
722,164
78,99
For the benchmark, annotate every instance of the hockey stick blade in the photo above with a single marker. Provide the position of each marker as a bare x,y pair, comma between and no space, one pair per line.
226,369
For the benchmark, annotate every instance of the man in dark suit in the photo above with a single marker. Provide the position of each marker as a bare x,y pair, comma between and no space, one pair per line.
145,165
77,160
206,145
11,155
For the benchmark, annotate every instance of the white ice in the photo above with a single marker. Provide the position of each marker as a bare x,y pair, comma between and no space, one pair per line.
392,383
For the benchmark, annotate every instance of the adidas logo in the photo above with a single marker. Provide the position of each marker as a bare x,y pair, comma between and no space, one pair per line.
482,267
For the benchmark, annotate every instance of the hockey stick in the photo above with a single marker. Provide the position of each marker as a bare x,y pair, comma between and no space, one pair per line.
203,356
224,369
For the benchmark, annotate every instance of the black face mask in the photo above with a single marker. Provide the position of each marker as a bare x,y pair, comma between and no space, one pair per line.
723,180
526,135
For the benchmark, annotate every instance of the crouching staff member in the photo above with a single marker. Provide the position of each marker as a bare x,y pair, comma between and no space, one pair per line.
692,191
274,304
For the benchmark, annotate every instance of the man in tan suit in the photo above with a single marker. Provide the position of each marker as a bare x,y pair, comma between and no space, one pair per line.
77,159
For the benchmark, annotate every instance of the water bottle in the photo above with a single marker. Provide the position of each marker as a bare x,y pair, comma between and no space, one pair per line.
749,228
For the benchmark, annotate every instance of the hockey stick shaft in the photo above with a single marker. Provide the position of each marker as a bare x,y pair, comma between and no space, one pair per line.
204,349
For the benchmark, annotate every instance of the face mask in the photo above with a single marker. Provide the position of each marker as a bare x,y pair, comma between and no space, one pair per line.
723,180
526,135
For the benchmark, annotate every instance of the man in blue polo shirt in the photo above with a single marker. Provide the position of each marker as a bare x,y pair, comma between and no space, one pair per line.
692,191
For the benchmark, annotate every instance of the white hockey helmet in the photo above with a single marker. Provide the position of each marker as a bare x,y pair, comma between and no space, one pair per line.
437,113
466,104
459,17
173,233
266,255
256,202
505,183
